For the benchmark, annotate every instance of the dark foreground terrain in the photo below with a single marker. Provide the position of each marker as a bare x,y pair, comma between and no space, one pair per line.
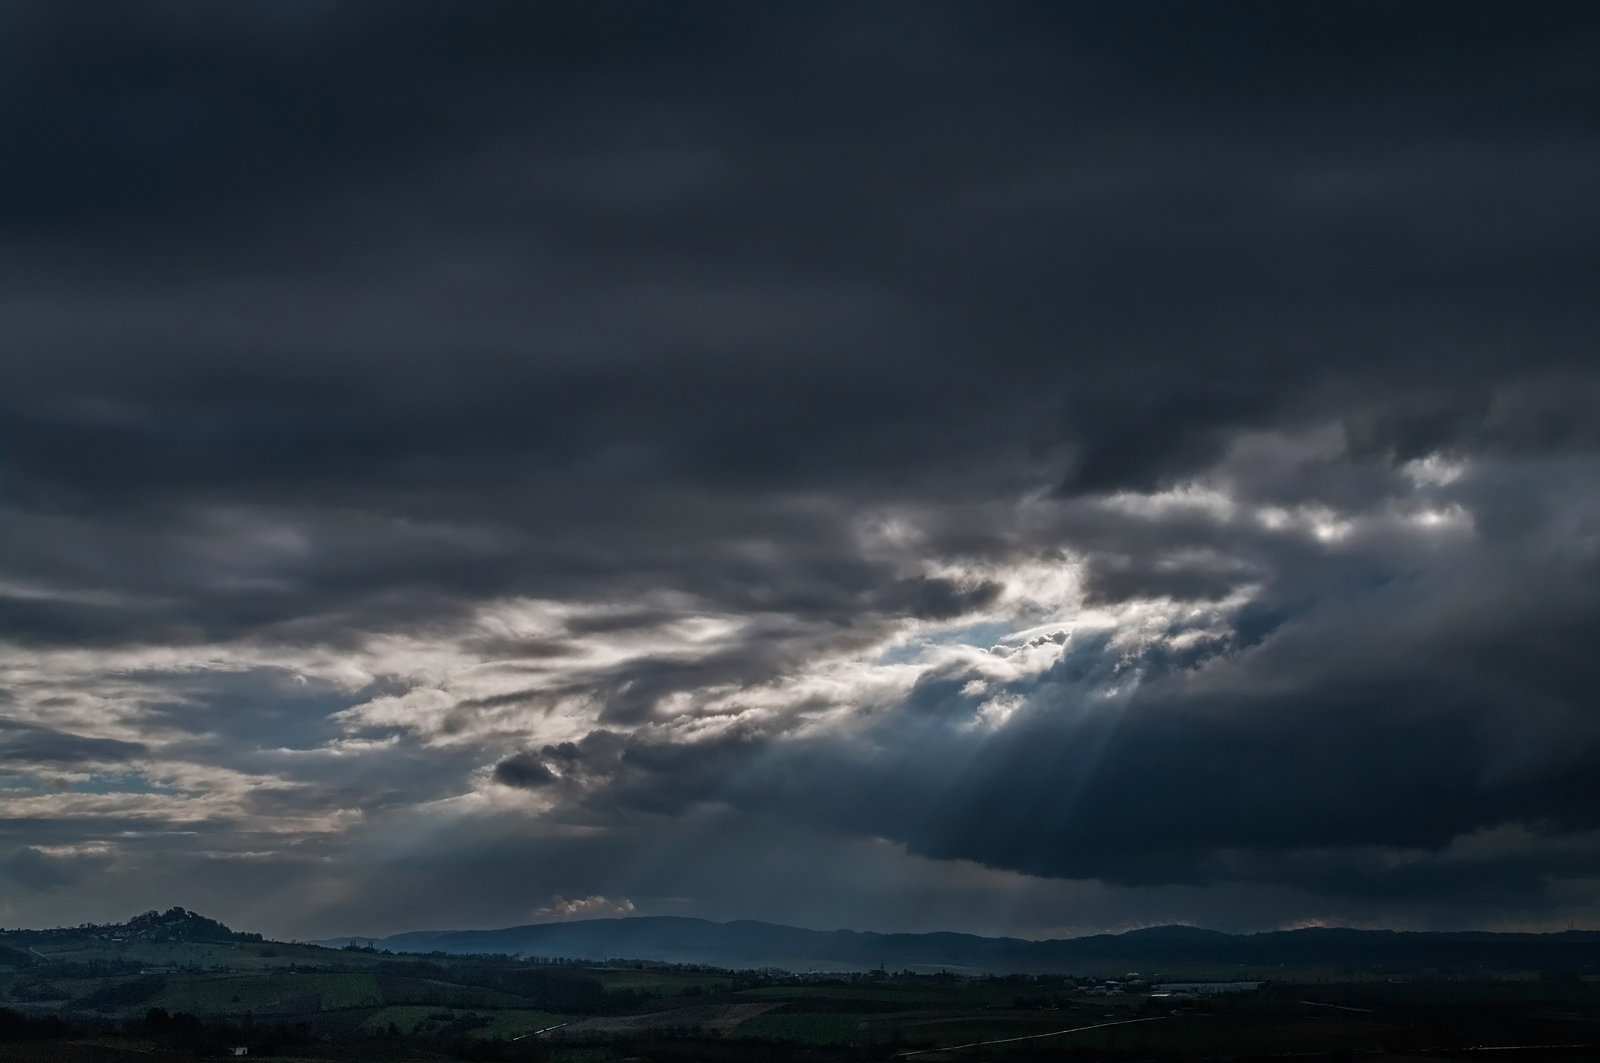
175,986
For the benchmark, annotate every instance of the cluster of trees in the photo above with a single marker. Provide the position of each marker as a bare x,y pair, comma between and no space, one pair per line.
182,1030
177,924
37,984
120,994
15,1026
179,1031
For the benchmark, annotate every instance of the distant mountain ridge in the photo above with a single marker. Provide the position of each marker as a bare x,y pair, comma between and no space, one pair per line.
746,944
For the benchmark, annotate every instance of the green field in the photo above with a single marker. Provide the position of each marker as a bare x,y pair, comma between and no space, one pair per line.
960,995
230,994
407,1018
208,956
444,994
509,1024
657,981
503,1024
813,1028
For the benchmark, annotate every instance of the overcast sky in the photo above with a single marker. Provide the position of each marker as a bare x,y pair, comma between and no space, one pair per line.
1011,468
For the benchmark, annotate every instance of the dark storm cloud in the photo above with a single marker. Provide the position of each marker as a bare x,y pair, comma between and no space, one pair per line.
1359,774
523,771
759,336
37,870
1392,718
1035,223
23,744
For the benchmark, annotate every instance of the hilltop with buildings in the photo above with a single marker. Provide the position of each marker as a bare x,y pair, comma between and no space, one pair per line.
172,925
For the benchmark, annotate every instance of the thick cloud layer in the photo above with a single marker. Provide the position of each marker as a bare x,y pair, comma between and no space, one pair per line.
995,467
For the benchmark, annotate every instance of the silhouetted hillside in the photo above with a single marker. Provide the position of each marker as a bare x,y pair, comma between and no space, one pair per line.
172,925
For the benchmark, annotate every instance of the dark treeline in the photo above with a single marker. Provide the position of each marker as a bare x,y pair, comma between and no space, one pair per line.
181,1031
15,1026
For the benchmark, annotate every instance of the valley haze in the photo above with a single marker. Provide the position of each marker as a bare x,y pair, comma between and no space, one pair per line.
748,944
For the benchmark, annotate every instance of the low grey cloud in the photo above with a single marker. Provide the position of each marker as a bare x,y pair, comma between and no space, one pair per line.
36,870
1009,468
22,744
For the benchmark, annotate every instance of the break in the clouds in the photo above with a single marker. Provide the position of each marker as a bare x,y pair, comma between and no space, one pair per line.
1005,467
